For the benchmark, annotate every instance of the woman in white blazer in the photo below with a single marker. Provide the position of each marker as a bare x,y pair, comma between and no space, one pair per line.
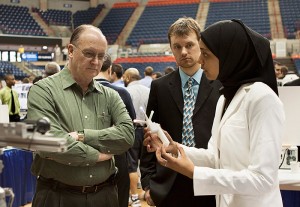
241,163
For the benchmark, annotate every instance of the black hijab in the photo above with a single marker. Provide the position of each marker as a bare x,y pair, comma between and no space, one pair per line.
244,56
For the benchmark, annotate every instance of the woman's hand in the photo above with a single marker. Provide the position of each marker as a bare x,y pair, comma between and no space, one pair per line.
181,164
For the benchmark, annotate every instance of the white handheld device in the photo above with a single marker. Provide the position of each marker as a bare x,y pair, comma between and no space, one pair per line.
154,127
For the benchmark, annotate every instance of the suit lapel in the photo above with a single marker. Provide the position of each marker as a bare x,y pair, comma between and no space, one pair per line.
203,93
174,85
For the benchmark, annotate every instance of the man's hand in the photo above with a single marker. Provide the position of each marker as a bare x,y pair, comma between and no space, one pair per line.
103,157
148,198
153,142
74,135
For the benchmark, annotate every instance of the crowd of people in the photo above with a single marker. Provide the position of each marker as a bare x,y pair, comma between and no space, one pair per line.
224,93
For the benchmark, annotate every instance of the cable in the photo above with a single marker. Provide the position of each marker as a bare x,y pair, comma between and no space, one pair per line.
283,157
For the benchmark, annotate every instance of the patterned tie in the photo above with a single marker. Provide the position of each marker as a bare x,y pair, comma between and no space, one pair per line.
188,108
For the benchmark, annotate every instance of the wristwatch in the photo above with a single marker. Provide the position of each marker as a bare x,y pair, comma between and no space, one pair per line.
80,135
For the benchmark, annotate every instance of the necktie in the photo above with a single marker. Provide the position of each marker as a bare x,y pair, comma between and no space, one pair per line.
188,108
13,107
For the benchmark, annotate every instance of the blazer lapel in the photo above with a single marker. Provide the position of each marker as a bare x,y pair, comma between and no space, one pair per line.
234,105
215,130
174,86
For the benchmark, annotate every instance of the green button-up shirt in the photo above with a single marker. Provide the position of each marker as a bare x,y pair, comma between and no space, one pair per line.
5,96
100,112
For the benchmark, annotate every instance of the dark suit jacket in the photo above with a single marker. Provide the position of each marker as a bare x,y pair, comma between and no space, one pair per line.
293,83
123,181
166,100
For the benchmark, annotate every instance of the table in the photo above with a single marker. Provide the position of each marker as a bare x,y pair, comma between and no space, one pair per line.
289,180
290,188
16,175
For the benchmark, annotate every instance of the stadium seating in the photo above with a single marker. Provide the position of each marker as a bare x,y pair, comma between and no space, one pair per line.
116,19
86,16
56,17
254,13
152,26
17,20
8,68
290,17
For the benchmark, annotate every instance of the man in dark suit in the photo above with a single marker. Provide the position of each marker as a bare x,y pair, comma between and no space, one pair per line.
163,186
123,181
293,83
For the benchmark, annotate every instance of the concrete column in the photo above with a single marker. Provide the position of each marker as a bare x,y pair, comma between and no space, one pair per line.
43,5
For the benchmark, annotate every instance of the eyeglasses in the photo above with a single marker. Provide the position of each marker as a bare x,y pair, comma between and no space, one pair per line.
91,55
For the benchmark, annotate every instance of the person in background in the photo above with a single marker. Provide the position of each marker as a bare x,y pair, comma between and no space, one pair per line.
139,94
146,81
123,182
31,78
9,97
65,53
277,68
295,82
25,80
156,75
21,51
51,68
169,69
36,79
93,120
57,53
249,115
280,72
116,75
170,98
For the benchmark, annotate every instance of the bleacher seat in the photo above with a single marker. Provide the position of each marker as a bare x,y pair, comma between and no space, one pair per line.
254,13
290,17
86,16
115,21
17,20
8,68
57,17
152,26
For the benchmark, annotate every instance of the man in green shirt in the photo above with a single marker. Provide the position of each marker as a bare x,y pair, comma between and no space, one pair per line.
9,97
92,118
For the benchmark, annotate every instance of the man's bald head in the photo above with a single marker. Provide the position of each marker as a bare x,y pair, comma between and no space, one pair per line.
51,68
131,74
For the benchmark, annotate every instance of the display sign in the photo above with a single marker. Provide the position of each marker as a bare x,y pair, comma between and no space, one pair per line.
22,90
45,57
30,56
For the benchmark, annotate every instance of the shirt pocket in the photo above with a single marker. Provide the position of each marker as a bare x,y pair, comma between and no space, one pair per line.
104,120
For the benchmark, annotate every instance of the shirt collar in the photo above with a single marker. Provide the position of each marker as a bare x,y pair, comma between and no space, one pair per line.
184,77
134,83
69,81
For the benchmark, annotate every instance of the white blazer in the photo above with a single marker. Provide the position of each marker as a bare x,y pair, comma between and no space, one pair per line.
241,163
